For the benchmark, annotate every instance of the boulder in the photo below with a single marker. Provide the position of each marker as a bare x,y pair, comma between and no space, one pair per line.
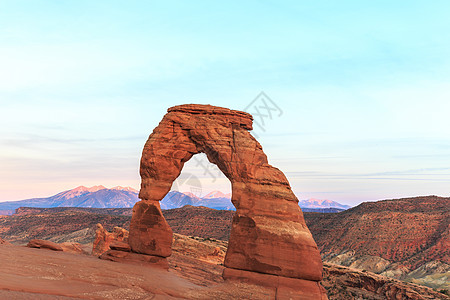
149,231
120,246
103,239
42,244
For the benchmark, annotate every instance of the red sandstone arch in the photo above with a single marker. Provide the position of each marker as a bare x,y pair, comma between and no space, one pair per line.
268,234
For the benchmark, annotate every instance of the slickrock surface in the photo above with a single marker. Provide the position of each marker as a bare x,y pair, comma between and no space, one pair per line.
38,274
60,275
268,233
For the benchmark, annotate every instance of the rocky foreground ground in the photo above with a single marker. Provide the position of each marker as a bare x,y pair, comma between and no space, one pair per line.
195,273
43,274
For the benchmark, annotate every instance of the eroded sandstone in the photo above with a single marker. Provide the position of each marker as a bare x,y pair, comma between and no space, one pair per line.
103,238
43,244
268,233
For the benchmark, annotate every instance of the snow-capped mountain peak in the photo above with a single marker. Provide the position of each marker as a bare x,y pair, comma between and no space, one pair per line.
216,194
126,189
318,203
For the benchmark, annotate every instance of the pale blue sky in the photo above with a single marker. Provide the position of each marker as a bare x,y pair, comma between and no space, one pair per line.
363,86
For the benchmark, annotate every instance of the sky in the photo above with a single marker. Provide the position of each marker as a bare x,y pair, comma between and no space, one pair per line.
361,90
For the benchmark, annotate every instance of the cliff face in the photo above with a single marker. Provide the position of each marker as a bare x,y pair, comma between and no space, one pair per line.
406,239
343,283
412,231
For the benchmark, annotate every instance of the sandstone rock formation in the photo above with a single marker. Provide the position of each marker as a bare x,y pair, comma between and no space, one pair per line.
114,247
120,246
269,239
42,244
103,239
70,247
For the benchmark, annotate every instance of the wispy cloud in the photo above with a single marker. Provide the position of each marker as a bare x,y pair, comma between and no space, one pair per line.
407,175
30,140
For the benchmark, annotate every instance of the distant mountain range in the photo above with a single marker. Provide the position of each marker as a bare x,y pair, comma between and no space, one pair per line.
122,197
96,196
216,200
316,203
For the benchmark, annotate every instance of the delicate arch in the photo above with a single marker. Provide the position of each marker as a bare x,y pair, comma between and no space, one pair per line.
268,234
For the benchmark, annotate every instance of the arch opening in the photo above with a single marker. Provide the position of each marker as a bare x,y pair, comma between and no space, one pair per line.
200,183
